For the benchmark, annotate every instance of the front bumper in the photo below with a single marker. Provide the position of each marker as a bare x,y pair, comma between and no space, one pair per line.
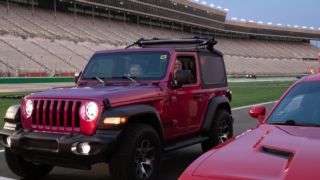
60,149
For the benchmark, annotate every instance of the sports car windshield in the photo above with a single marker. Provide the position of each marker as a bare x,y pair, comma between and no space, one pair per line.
300,107
127,65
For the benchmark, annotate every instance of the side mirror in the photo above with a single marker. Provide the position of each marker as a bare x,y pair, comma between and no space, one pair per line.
258,112
176,85
181,77
76,76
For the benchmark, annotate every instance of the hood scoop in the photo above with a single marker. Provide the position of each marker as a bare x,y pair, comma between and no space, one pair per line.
277,152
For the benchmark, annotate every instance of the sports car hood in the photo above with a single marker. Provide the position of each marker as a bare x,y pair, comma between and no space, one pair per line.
115,94
267,152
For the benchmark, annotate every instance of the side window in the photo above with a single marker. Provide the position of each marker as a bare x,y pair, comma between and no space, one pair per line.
212,70
187,62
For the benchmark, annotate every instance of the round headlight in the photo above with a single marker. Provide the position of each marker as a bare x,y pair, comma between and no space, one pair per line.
29,108
92,111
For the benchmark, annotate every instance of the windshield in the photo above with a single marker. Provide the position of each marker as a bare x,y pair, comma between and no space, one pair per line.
136,65
301,106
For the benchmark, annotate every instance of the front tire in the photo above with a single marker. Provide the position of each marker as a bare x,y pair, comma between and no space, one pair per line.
138,155
220,131
19,166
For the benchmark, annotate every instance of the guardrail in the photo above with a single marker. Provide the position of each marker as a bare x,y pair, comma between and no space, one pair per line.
35,80
20,96
267,76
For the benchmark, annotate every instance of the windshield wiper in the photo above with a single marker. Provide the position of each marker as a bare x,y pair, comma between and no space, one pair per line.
127,76
289,122
100,80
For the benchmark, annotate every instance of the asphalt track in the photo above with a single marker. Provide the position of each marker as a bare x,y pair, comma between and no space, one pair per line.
173,163
31,86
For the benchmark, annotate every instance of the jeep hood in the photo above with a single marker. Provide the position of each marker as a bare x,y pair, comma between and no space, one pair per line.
115,94
267,152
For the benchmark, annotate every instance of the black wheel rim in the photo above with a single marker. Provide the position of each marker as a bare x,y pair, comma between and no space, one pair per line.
224,132
144,159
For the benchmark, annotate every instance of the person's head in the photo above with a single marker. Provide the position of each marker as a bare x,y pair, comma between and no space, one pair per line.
177,65
135,70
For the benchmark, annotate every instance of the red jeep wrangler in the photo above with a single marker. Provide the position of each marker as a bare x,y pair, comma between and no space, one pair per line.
129,107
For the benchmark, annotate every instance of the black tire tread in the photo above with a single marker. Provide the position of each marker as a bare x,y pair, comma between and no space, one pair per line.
213,134
23,168
118,168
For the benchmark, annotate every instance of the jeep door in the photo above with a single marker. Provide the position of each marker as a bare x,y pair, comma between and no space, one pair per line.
188,102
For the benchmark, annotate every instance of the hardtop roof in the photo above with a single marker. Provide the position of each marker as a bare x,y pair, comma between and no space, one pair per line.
184,44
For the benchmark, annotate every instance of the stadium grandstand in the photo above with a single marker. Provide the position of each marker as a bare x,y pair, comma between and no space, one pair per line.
57,37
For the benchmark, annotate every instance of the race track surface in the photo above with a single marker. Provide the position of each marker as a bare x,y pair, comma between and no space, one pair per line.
173,163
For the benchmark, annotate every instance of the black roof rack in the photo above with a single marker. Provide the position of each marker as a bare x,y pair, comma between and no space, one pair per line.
194,42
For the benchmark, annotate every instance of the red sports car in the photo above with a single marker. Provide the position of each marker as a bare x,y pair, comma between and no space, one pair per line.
285,145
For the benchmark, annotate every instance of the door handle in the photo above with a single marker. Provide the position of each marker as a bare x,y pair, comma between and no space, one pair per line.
198,96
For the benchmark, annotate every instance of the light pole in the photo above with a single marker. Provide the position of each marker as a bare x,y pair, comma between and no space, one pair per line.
172,28
92,14
150,24
7,6
109,16
138,23
124,18
75,11
55,9
161,25
182,28
32,6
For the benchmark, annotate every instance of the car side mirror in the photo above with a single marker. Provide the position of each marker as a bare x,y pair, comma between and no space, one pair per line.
76,76
258,112
181,77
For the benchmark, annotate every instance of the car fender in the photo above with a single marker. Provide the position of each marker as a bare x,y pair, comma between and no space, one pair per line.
12,118
136,114
13,114
214,104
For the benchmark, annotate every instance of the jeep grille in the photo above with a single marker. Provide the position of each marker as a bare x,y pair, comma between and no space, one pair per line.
56,115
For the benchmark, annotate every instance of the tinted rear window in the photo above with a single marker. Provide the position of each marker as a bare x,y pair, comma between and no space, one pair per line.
212,70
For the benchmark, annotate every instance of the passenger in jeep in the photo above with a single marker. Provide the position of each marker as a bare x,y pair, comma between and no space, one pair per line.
135,70
177,65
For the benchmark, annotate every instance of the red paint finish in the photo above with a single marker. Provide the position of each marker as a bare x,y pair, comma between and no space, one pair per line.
268,151
258,112
186,107
181,110
244,157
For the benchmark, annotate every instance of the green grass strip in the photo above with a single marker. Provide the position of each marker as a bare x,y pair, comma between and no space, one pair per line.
35,80
246,93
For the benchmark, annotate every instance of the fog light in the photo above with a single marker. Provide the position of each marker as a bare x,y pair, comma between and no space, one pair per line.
9,141
81,148
84,148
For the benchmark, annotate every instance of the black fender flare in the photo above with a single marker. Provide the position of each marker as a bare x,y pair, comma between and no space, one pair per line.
213,105
13,114
12,118
133,112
